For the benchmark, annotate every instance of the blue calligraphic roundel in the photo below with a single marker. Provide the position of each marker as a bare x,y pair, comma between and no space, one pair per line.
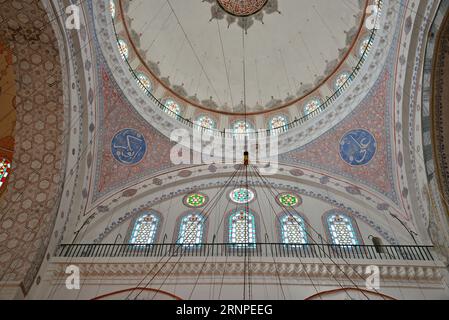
358,147
128,147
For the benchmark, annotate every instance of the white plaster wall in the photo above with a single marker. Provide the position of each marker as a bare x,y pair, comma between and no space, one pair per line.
234,291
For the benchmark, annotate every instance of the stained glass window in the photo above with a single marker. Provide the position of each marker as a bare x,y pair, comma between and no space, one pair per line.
191,229
112,8
312,105
341,229
5,167
123,48
289,200
278,122
206,122
364,46
341,80
173,108
144,82
293,229
242,195
242,228
195,200
241,127
145,229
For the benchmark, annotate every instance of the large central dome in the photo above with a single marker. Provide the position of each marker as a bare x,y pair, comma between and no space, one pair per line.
216,54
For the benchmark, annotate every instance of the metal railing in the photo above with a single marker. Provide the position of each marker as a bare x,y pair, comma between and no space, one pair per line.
277,250
263,132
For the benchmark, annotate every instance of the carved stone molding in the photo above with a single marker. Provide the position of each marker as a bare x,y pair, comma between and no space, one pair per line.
288,269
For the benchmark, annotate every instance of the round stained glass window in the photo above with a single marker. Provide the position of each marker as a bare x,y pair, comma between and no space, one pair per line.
195,200
289,200
242,196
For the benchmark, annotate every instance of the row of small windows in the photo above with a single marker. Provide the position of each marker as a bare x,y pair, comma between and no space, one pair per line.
240,126
342,79
242,228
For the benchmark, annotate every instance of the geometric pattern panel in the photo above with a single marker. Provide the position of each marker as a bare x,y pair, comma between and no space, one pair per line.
29,205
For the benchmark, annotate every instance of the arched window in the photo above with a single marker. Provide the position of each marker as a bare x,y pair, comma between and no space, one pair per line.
145,229
242,127
172,108
364,46
206,122
5,167
242,228
312,105
293,229
144,82
342,80
123,48
278,123
112,8
341,229
191,229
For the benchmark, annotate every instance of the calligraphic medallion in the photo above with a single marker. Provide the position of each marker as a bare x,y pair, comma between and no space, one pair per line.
358,147
128,147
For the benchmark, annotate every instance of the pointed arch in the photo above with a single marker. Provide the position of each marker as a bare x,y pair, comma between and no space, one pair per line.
191,228
292,228
341,228
242,227
145,228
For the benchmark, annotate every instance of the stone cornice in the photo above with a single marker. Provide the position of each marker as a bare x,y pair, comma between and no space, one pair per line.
399,272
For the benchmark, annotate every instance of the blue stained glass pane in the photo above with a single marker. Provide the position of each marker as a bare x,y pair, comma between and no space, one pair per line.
145,228
341,230
293,230
242,228
191,229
